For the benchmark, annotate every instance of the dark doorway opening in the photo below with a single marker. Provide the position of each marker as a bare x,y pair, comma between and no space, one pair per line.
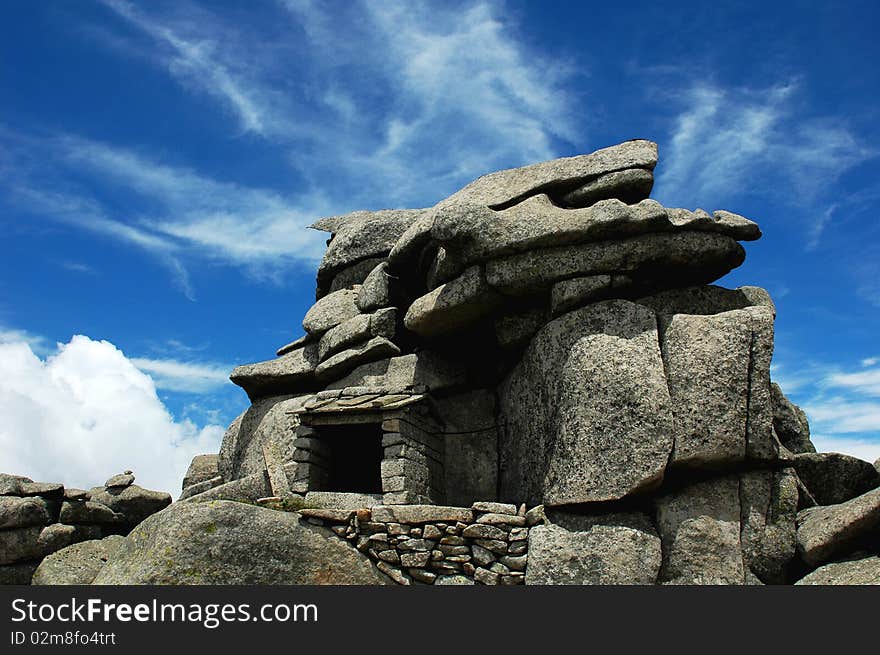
355,457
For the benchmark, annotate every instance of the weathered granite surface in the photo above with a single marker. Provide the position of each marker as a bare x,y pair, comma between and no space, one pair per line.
533,381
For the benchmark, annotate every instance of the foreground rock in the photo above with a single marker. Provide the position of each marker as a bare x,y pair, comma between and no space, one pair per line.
864,571
824,532
590,550
77,564
224,542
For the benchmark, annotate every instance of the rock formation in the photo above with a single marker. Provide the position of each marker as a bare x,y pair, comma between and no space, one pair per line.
533,381
38,519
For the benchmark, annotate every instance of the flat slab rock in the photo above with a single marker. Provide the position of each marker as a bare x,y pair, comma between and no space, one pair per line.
824,532
134,503
668,259
505,187
340,364
421,514
453,306
120,480
361,235
331,310
34,543
10,485
423,368
537,222
286,374
834,478
16,512
865,571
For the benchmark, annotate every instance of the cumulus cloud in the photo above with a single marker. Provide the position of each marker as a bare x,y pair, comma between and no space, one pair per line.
36,342
87,412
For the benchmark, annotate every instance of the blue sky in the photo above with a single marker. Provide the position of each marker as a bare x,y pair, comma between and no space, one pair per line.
160,160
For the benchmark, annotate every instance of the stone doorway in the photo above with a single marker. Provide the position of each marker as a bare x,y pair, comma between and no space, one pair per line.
354,457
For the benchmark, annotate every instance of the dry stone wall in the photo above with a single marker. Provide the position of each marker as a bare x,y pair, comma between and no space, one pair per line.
486,543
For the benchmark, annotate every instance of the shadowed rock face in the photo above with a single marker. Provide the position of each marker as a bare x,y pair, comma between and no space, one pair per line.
546,335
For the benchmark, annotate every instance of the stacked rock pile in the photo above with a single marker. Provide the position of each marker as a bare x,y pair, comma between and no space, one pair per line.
430,544
40,518
512,250
548,336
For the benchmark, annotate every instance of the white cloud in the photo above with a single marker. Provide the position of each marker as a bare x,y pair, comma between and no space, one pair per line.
196,64
463,94
864,449
729,141
35,342
244,225
863,382
377,105
87,412
385,104
841,415
187,377
870,361
174,212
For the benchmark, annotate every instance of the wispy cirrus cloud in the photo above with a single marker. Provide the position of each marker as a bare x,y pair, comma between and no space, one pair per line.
196,57
184,376
866,382
389,104
374,105
171,212
463,94
243,225
729,141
